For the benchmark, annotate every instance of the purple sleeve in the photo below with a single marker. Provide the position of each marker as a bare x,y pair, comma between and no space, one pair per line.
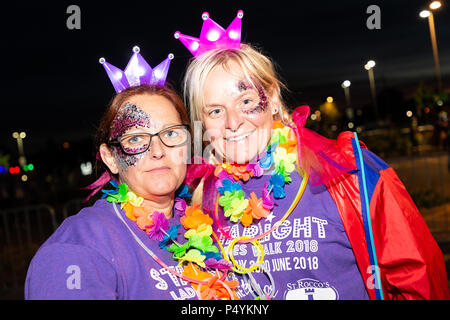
70,272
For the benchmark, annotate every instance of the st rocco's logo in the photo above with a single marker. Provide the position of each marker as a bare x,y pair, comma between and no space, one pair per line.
310,289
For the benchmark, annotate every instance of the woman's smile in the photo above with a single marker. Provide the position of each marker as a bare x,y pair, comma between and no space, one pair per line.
240,137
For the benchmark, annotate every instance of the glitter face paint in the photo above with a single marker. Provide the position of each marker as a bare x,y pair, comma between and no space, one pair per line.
262,104
129,116
243,86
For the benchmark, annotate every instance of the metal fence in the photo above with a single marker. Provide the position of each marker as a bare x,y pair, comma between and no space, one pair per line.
22,231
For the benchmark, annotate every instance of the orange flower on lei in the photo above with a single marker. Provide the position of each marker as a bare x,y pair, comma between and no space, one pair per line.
194,217
278,125
129,211
254,210
239,171
143,219
290,146
247,218
255,205
223,166
213,289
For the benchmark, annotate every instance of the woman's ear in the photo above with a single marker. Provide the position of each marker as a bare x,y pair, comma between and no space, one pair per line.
274,102
108,158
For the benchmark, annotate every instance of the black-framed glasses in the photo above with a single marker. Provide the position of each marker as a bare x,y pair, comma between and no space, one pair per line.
139,142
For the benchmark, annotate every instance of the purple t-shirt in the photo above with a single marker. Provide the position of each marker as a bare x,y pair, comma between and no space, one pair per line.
95,255
101,254
309,255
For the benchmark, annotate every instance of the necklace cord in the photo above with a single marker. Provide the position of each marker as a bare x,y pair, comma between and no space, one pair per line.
154,256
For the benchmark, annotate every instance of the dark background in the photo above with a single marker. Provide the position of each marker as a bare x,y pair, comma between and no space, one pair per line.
55,86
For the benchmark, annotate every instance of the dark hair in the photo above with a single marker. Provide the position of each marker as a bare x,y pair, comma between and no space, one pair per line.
104,128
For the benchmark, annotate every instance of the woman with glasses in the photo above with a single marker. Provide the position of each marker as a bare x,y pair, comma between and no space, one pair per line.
115,249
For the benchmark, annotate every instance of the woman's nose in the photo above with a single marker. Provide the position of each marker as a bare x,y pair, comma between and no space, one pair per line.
157,150
234,120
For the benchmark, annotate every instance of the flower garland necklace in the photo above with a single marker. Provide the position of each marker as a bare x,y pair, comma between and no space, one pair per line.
197,250
281,154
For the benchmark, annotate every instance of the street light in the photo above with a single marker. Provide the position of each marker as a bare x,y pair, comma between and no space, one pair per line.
370,64
424,13
346,86
435,5
19,137
429,14
369,67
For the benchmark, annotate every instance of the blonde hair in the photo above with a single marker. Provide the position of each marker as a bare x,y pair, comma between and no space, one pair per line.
255,66
253,63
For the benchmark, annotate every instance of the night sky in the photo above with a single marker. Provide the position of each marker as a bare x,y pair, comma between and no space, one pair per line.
53,85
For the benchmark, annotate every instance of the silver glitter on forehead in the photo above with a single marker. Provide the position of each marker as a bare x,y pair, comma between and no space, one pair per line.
129,116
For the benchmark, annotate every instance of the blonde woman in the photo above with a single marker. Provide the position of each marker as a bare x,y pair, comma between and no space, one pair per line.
298,215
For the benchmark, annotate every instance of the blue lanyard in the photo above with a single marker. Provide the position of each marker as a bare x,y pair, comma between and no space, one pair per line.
365,204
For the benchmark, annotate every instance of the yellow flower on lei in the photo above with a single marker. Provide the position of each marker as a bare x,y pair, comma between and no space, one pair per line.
195,256
202,230
237,209
286,159
134,200
280,135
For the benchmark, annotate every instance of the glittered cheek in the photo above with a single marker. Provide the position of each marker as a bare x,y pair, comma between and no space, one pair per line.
127,160
261,108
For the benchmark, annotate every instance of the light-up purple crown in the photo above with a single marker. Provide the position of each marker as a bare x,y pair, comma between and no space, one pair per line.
213,36
137,72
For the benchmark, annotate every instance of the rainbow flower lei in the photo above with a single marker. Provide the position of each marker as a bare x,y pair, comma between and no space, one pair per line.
199,246
281,155
198,249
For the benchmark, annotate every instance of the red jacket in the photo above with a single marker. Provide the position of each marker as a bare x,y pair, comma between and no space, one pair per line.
410,262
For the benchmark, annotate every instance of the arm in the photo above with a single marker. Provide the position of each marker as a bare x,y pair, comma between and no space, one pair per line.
62,271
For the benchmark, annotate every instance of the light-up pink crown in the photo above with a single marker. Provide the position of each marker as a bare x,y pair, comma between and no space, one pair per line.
213,36
137,72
